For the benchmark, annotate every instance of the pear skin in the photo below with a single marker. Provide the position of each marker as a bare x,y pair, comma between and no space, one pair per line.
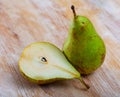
84,48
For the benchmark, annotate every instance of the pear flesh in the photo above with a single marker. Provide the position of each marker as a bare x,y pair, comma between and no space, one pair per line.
83,47
42,63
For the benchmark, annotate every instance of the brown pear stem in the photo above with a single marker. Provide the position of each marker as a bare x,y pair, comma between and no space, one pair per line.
82,81
73,9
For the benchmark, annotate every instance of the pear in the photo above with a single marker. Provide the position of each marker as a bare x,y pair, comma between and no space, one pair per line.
83,47
43,62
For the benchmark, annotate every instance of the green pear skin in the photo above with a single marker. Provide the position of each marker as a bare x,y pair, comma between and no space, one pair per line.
83,47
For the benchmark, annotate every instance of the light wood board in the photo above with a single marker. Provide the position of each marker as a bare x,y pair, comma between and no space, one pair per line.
25,21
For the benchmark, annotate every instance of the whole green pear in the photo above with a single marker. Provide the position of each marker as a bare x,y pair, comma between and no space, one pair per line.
83,47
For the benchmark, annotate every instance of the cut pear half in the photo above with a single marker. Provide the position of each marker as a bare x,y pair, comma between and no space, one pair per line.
42,62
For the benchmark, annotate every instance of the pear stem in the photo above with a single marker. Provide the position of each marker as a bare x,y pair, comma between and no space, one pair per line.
82,81
73,9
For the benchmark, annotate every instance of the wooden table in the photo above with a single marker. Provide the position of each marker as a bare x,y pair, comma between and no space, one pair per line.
25,21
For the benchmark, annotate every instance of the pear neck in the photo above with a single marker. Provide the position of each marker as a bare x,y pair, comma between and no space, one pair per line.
77,31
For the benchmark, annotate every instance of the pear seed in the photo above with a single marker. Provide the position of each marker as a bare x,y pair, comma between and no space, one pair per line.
43,59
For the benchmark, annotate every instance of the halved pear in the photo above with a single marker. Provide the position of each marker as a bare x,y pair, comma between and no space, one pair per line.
42,62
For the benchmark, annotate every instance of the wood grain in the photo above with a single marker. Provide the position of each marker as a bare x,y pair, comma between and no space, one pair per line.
25,21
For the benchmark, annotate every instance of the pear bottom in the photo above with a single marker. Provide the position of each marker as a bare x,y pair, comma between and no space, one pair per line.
86,71
85,65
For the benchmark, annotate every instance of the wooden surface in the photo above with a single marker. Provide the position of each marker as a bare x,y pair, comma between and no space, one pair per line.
25,21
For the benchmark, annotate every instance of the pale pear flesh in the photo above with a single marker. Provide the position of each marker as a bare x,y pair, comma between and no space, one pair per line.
42,61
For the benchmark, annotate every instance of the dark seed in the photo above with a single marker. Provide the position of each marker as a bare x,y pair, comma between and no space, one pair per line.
83,23
43,59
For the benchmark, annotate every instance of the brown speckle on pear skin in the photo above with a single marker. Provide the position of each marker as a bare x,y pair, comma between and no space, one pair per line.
82,28
75,35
